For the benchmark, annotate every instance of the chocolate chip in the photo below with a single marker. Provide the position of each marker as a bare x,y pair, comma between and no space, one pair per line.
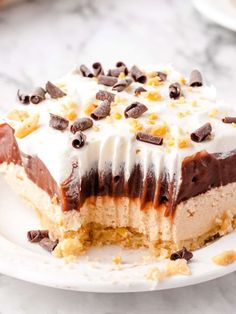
23,98
103,95
48,244
202,133
137,75
54,91
58,122
81,125
139,90
135,110
79,140
38,95
175,90
162,76
195,79
35,236
107,80
102,111
97,69
85,71
229,120
184,253
151,139
121,85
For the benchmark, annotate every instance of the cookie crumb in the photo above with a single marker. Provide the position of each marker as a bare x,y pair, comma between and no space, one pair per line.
225,258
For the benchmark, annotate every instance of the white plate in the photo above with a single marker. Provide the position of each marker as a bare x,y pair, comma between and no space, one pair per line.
30,262
222,12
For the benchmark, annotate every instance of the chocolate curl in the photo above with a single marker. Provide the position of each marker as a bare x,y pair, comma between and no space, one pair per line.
107,80
38,95
102,111
139,90
57,122
162,76
138,75
202,133
122,65
85,71
48,244
147,138
229,120
35,236
175,90
195,79
54,91
81,125
23,98
79,140
97,69
121,85
184,253
104,95
135,110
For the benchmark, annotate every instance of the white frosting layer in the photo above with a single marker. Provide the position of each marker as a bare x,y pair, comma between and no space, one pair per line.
115,143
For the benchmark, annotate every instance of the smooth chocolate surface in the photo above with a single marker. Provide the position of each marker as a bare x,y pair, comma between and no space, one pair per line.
200,173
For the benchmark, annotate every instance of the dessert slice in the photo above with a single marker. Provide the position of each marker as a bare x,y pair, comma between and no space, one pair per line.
132,156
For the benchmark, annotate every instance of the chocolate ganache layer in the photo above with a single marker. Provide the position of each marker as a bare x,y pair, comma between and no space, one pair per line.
199,173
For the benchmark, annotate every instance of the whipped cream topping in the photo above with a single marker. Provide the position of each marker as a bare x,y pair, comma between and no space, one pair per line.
111,142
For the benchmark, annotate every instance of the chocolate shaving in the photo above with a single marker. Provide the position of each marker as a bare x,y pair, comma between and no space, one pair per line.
162,76
97,69
184,253
81,125
137,75
202,133
229,120
175,90
79,140
107,80
121,85
195,79
35,236
54,91
102,111
135,110
147,138
48,244
139,90
85,71
37,96
58,122
23,98
122,65
103,95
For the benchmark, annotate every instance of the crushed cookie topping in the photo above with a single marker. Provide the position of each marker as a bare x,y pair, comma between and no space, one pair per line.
29,125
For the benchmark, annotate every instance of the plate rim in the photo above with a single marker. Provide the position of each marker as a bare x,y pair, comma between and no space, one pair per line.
213,13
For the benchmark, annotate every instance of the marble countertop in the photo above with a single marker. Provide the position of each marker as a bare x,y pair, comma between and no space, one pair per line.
40,40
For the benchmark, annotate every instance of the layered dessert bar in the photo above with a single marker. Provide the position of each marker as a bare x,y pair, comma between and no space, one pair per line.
135,156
